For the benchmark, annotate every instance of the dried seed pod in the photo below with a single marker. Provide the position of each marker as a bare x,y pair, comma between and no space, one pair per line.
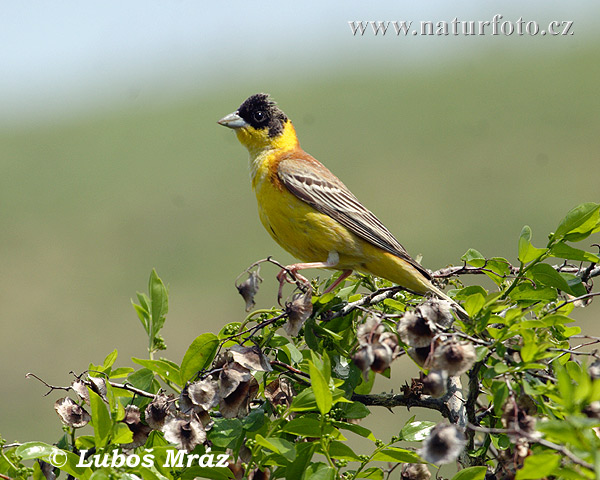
435,383
251,358
70,413
204,393
416,331
443,445
140,431
363,359
185,431
437,311
414,471
249,288
454,357
157,411
298,310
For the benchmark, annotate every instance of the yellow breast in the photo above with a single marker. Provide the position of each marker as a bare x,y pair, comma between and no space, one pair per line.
300,229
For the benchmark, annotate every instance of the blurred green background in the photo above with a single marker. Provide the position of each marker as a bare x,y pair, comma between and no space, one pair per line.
454,143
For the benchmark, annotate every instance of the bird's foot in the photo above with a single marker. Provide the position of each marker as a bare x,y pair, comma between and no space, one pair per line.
290,274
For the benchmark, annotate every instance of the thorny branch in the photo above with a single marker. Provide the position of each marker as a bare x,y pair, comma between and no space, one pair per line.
451,405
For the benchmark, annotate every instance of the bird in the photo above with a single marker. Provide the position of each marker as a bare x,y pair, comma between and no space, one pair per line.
310,213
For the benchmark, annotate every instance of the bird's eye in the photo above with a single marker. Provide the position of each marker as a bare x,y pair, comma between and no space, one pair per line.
259,116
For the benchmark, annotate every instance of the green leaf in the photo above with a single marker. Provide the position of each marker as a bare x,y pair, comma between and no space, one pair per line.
526,291
539,465
546,275
321,389
365,387
50,454
555,319
100,420
277,445
343,451
500,269
110,359
142,311
575,283
355,410
304,453
372,473
397,455
319,471
121,434
582,219
225,431
304,401
471,473
213,473
416,431
563,250
304,426
142,379
159,301
199,355
500,395
101,475
121,372
162,368
473,304
473,258
527,252
352,427
254,420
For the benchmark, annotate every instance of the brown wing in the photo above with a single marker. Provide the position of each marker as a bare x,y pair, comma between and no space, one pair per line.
314,184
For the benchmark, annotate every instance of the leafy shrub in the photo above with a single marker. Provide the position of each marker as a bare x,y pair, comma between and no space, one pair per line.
253,402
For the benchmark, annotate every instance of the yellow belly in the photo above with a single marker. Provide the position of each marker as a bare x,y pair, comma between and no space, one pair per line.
303,231
312,236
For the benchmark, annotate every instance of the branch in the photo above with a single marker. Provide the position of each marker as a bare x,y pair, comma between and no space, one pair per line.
540,441
590,272
575,299
371,299
129,388
467,270
391,400
51,387
451,405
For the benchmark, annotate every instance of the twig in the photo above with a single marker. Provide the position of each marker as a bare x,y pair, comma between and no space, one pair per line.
12,445
123,386
372,298
130,388
592,271
467,270
540,441
290,368
51,387
572,300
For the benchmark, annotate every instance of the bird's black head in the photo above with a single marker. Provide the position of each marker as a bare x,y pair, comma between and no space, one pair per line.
263,113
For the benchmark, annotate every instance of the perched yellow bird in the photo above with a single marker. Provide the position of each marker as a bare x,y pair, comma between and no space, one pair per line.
310,212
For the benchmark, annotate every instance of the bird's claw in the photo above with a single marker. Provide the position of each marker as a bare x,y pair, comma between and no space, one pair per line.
289,275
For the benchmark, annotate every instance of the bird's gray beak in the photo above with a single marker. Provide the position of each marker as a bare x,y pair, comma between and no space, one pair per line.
233,120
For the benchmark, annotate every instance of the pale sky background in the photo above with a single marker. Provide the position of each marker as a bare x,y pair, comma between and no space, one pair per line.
65,56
